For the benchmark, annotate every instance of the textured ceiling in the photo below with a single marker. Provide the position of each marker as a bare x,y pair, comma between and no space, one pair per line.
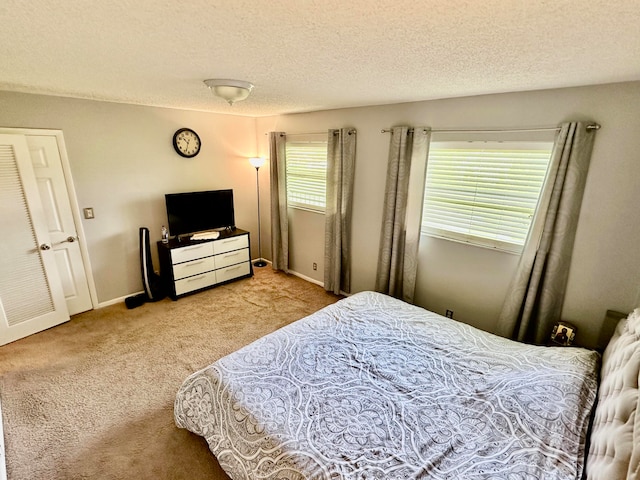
305,55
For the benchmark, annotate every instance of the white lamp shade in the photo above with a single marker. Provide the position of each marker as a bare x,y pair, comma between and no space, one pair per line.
257,161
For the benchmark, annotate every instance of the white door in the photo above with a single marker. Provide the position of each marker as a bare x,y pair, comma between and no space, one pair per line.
31,295
47,165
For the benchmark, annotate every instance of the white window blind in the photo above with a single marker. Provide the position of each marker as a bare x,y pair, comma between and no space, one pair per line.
484,193
307,174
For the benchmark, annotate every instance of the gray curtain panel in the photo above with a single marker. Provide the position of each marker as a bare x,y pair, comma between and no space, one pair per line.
399,237
341,154
279,217
534,300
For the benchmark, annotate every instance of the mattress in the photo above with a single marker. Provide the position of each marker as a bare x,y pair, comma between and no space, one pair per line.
372,387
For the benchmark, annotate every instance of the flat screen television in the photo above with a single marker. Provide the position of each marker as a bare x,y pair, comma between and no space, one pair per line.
199,211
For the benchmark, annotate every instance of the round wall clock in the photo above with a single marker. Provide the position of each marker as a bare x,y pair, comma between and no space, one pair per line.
186,142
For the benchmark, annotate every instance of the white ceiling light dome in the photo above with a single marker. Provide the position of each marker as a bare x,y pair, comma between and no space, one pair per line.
231,90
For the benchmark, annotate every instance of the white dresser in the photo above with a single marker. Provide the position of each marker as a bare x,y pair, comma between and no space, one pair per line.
189,266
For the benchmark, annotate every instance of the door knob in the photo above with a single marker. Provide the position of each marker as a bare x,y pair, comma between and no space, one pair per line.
71,239
45,246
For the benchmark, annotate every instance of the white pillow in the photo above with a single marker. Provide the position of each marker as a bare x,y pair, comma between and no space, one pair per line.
616,424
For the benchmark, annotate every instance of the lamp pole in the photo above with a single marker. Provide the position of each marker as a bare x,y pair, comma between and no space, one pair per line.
257,163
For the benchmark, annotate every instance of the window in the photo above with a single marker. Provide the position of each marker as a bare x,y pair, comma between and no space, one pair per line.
307,174
484,193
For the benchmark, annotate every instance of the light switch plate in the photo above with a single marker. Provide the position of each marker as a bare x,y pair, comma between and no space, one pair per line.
88,213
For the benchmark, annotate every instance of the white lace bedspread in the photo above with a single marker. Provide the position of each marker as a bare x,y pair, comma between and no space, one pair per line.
374,388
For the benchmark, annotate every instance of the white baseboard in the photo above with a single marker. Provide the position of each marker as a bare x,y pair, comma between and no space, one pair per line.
317,282
304,277
116,300
308,279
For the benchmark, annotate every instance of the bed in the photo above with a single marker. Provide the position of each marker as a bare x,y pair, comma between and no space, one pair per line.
374,388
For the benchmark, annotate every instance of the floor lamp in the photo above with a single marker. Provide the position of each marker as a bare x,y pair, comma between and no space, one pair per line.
258,162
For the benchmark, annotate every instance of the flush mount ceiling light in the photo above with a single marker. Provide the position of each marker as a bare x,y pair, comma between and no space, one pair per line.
231,90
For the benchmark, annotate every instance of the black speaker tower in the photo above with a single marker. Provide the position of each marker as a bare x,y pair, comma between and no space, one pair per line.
153,287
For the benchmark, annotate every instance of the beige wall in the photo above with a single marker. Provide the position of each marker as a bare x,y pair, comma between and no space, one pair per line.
605,271
122,162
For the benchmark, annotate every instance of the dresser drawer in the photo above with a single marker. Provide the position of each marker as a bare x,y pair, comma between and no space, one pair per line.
234,271
191,266
229,244
194,267
195,283
231,258
185,254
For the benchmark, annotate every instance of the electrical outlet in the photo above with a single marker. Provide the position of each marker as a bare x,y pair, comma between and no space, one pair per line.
315,266
449,314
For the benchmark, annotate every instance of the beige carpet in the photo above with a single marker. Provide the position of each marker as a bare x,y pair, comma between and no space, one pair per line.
93,398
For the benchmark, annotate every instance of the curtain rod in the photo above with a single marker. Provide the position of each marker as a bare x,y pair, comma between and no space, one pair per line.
350,132
592,126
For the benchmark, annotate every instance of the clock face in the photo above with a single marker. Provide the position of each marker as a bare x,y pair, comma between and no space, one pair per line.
186,142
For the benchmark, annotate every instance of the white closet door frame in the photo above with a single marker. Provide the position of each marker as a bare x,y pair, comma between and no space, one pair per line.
48,307
73,199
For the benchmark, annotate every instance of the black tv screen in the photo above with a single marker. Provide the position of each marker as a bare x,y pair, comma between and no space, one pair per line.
199,211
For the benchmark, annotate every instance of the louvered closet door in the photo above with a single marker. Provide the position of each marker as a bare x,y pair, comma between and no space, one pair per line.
31,294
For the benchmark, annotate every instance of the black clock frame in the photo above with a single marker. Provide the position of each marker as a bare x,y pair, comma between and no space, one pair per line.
175,143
